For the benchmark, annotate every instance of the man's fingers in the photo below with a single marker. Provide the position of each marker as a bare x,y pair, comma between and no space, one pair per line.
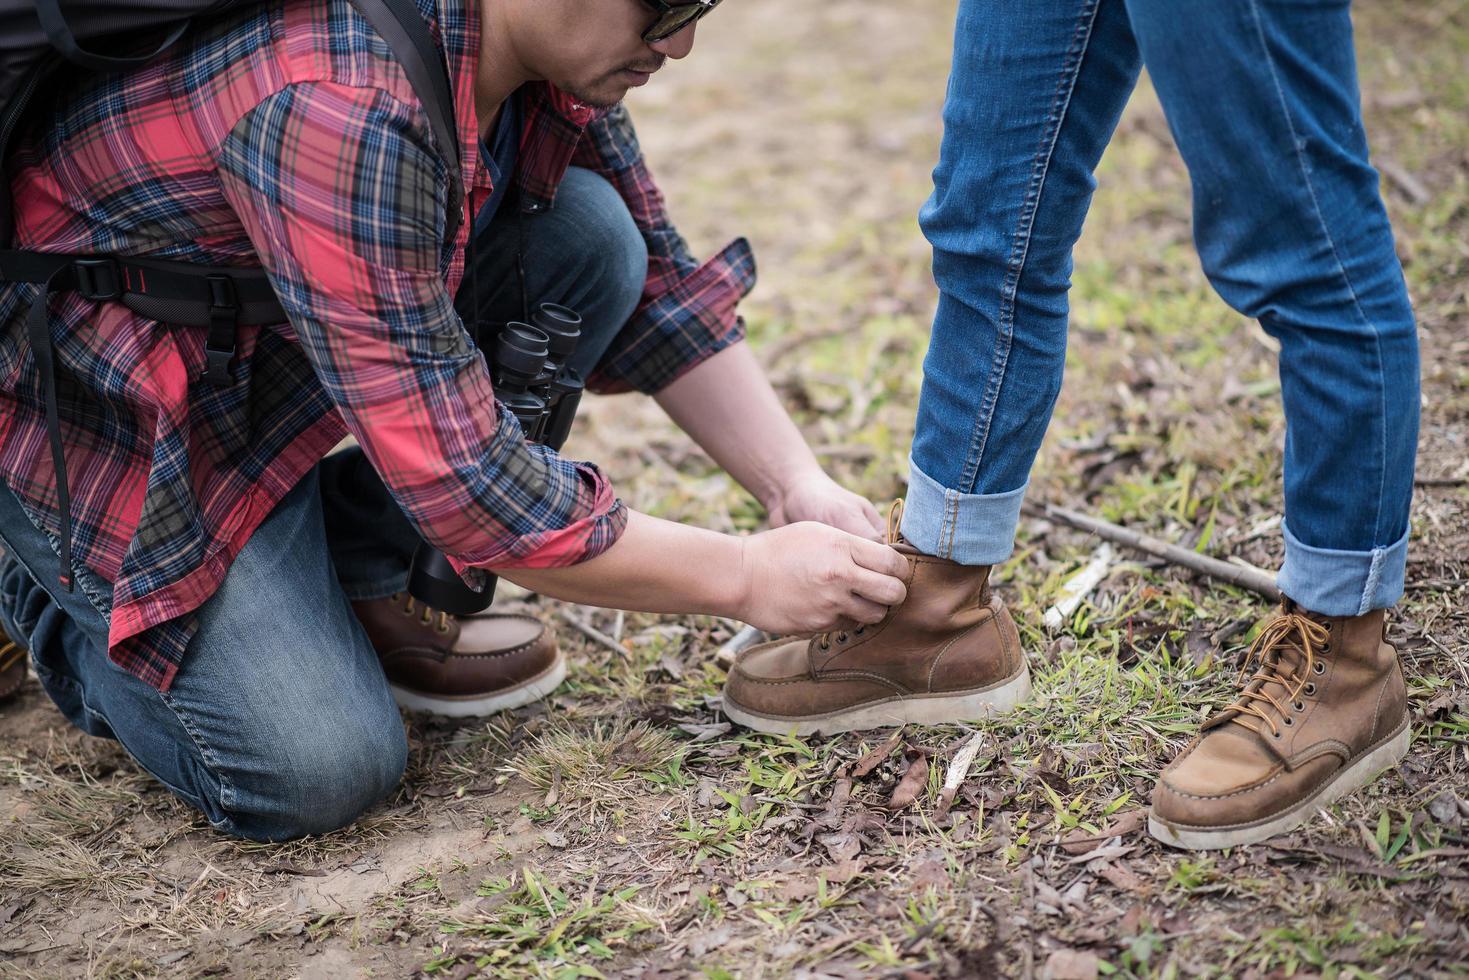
864,611
885,590
879,558
874,518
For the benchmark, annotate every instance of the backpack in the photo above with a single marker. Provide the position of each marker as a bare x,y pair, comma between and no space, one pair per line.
37,38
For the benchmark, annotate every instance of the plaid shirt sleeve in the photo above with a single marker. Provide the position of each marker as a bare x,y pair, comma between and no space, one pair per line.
344,202
687,312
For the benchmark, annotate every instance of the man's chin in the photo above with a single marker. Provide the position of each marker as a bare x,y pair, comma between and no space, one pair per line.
603,95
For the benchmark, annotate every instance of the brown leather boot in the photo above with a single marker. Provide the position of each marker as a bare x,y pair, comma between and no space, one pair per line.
12,667
461,667
1324,713
949,652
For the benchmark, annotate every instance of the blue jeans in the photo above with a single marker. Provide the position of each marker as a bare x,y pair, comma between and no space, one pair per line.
1261,97
279,722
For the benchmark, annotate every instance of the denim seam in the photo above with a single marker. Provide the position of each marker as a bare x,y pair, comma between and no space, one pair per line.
1284,105
1374,578
951,519
1020,244
226,788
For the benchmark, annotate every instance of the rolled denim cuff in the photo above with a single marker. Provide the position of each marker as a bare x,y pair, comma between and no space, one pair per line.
1343,583
969,528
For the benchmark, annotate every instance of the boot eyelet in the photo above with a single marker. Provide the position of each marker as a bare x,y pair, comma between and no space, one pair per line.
1289,720
842,637
1275,734
861,630
1309,689
1299,705
1319,667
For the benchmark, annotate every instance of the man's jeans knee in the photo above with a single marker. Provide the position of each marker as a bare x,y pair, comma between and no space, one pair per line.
279,722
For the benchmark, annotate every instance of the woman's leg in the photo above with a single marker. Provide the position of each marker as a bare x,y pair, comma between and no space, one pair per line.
1035,93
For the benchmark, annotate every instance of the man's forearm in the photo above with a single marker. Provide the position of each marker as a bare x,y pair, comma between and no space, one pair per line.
728,407
656,566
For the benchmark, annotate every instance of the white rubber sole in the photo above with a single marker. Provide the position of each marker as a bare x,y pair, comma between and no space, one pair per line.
527,691
929,709
1386,754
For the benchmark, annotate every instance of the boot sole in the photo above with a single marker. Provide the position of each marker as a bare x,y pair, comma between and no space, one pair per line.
925,709
1382,756
472,706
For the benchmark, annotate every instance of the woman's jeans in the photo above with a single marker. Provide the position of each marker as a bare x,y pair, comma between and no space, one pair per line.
279,722
1261,97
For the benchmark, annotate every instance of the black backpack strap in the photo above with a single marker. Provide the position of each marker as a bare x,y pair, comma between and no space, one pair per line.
39,329
405,30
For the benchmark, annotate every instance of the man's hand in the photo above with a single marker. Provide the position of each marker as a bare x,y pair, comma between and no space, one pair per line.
806,578
817,497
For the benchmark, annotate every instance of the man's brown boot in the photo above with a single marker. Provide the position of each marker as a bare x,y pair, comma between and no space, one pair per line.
12,667
949,652
1324,713
477,665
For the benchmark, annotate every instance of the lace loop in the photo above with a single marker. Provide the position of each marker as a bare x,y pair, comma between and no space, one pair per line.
1288,631
426,617
895,520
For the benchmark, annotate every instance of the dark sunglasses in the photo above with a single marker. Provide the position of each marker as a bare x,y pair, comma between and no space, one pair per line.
674,17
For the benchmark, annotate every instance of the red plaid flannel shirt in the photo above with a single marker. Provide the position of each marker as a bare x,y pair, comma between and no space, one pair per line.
289,137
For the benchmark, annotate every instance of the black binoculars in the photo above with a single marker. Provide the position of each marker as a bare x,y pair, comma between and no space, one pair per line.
532,381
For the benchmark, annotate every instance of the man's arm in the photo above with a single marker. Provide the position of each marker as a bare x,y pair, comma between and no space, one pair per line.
342,200
727,405
685,346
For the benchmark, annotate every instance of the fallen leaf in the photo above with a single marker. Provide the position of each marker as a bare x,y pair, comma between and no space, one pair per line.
874,758
1127,822
704,733
1121,877
930,874
911,784
841,847
842,871
1444,808
1441,706
1071,964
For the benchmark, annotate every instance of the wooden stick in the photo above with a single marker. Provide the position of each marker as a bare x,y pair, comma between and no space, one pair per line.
1078,587
1243,575
748,636
595,635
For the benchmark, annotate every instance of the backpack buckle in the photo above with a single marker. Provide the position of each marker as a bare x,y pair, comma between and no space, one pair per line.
97,279
219,347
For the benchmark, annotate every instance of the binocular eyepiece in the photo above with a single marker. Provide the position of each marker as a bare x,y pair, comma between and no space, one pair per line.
532,380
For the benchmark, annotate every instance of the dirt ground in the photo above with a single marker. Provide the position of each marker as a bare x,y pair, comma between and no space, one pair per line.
624,829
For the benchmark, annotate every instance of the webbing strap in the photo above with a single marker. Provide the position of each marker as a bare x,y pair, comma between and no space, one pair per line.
37,325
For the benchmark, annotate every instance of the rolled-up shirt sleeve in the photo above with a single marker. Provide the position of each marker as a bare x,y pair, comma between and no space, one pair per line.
687,311
344,201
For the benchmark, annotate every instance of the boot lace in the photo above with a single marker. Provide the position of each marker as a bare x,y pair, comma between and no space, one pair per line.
10,654
894,535
426,614
1290,631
